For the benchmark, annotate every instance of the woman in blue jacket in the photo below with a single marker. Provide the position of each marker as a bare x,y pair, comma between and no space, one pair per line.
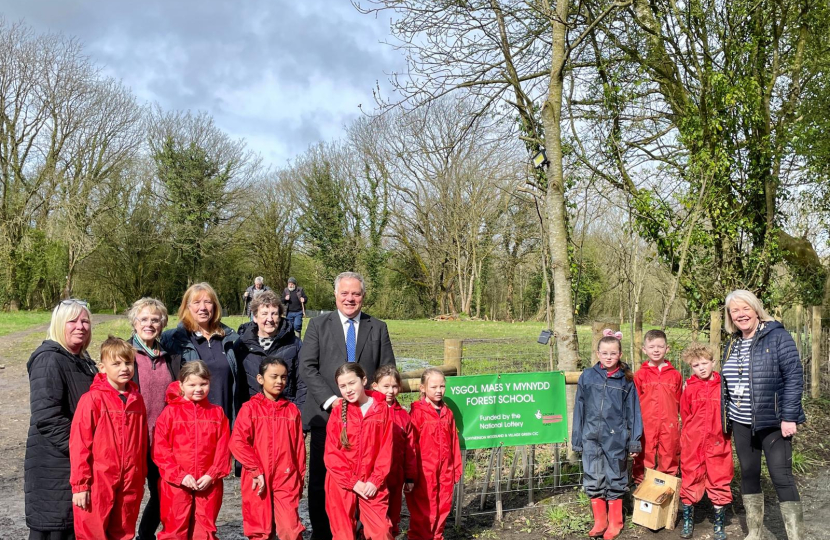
763,382
607,427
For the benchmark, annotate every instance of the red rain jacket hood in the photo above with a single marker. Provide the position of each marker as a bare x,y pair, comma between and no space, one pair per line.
369,458
437,437
115,432
404,452
191,437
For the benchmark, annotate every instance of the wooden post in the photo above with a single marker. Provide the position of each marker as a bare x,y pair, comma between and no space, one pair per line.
715,323
453,353
815,364
799,315
459,490
529,473
499,506
487,478
596,330
638,340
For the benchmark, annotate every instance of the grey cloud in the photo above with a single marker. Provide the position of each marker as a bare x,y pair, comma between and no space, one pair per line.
187,54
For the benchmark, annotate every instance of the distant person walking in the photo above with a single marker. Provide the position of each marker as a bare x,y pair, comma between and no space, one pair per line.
248,295
294,299
60,372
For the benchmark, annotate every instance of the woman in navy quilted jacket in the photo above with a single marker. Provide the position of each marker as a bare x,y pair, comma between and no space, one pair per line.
762,405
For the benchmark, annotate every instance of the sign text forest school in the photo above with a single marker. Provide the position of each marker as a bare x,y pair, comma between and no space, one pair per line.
508,410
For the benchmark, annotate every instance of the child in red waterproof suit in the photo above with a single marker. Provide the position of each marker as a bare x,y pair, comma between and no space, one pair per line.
358,458
439,463
190,447
659,386
706,455
404,472
268,441
607,427
108,449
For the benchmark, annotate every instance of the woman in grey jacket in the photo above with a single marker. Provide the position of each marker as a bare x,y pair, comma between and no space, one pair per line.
763,382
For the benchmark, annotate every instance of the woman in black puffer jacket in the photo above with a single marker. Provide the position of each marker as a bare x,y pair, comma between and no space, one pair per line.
269,335
60,372
763,383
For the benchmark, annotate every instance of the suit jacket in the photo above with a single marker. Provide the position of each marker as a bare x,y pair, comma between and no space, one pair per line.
324,350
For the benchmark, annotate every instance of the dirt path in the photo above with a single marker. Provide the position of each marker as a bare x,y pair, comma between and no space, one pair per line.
14,398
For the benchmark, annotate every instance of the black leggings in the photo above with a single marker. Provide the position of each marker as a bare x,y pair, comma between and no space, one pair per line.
779,453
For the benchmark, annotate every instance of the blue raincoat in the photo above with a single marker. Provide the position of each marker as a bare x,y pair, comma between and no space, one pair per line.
607,426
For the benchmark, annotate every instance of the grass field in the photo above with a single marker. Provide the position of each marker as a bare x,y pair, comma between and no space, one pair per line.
21,320
489,347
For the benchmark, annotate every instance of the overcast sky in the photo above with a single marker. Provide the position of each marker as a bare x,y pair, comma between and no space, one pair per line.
282,74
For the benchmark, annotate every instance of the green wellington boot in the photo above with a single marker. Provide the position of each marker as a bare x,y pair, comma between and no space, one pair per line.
793,515
754,505
720,518
688,521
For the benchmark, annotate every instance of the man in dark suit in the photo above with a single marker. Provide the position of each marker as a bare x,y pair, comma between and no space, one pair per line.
331,340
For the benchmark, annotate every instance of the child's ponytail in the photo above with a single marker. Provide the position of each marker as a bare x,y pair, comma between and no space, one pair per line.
629,375
344,436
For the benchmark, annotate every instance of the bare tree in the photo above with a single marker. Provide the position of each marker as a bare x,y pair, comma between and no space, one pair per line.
46,85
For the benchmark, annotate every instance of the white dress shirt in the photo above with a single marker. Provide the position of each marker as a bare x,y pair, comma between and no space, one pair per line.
344,321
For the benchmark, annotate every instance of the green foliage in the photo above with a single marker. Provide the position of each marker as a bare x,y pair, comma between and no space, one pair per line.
325,219
565,520
195,187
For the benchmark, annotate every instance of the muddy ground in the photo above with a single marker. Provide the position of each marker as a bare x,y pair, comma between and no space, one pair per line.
531,522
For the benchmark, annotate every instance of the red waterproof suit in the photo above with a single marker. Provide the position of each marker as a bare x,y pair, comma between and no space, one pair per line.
368,459
190,437
659,392
706,460
404,462
439,468
108,453
268,440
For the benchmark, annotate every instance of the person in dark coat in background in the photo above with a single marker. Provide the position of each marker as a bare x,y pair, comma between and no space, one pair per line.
252,290
200,335
270,336
294,300
60,372
761,402
155,369
345,335
607,426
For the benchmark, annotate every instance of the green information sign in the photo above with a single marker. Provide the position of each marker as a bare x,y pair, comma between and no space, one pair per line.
511,409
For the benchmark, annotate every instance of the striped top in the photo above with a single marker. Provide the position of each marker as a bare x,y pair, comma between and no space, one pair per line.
735,373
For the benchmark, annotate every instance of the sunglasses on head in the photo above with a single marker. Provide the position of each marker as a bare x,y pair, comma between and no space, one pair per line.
70,301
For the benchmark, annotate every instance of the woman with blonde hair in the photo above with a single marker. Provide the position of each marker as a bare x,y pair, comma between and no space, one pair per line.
761,404
200,335
60,371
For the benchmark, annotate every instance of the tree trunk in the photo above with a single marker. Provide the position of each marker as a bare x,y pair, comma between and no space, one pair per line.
557,234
